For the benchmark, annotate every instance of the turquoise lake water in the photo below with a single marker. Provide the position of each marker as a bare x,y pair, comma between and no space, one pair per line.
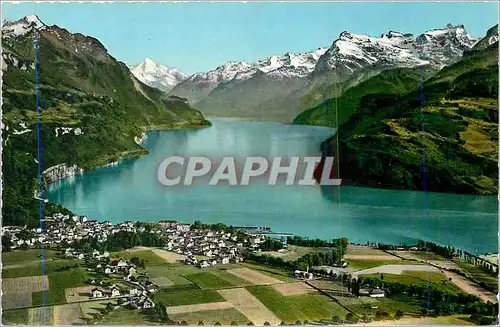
131,191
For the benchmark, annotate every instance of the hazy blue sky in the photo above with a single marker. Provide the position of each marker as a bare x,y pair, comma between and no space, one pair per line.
200,36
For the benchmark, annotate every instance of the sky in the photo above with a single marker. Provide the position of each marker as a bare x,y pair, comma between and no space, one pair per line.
196,37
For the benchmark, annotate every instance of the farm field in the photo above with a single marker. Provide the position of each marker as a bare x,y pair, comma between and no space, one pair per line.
233,293
366,263
26,256
125,317
312,306
437,279
207,280
223,316
187,297
457,320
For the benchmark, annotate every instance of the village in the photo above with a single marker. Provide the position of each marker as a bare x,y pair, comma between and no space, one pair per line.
220,266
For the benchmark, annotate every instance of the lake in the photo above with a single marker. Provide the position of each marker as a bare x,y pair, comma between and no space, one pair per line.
131,191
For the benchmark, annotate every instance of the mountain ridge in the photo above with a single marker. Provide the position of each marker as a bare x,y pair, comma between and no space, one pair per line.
84,92
351,58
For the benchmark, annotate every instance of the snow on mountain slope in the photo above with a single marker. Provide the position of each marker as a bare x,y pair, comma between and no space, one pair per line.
352,52
156,75
289,65
22,26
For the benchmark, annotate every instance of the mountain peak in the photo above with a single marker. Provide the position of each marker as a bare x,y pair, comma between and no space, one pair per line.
155,75
22,26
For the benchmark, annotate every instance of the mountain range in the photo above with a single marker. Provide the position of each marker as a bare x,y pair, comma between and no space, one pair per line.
412,128
83,89
279,87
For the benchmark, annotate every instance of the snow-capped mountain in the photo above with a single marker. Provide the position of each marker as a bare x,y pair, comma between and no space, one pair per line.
21,26
281,83
155,75
289,65
353,52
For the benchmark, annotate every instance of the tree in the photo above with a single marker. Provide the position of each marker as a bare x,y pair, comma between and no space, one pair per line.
200,323
217,324
282,323
110,307
250,324
6,243
349,317
335,319
298,322
161,311
234,323
267,323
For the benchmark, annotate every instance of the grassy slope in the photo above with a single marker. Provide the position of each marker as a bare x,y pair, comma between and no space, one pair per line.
380,142
311,307
86,88
396,81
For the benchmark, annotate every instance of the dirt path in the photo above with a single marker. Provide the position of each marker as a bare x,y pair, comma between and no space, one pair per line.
469,287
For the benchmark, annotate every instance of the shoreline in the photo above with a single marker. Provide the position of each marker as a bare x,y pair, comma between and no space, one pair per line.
116,159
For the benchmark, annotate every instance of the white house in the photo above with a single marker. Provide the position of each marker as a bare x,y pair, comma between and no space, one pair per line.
122,263
108,270
204,264
115,292
225,261
81,256
132,270
96,293
134,291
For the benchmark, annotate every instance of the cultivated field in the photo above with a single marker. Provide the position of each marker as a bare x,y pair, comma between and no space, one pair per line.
40,316
16,300
25,284
168,256
17,292
77,294
248,305
253,276
67,314
161,281
298,288
199,307
224,316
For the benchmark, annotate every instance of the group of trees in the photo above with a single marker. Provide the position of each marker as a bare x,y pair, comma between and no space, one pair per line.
444,251
141,263
271,244
441,302
120,241
308,260
161,312
219,226
342,242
